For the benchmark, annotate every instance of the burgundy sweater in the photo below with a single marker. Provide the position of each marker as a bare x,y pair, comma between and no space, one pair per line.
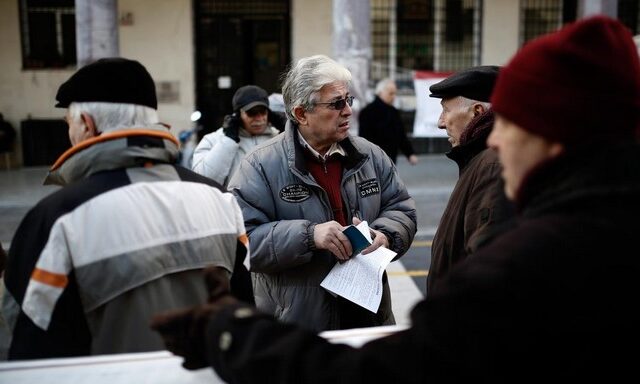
329,176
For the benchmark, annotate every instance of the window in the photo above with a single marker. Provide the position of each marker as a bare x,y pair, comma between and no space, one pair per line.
48,29
436,35
539,17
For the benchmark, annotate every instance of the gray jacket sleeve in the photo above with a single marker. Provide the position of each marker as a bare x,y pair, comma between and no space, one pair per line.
275,244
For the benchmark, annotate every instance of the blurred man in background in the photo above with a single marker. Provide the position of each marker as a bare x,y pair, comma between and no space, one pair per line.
380,123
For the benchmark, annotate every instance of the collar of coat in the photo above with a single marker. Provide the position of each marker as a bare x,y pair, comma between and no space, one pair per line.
295,150
123,148
593,173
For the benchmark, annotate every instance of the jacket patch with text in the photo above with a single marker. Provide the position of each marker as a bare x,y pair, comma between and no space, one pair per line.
369,187
295,193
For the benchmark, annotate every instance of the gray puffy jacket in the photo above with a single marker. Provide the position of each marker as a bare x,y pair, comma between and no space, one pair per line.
281,201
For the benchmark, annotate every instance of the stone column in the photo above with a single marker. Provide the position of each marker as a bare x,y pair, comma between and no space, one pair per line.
96,30
352,47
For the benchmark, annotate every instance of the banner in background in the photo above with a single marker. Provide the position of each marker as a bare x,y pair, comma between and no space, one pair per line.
427,108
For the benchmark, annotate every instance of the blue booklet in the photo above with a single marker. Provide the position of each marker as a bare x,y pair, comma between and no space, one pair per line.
357,239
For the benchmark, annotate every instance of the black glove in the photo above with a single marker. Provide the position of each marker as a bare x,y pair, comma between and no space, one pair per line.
230,127
183,331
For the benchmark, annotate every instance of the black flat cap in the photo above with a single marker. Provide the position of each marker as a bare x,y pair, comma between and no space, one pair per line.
474,83
111,80
248,97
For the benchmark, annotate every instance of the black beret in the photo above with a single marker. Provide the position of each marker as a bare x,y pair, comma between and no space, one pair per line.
248,97
111,80
474,83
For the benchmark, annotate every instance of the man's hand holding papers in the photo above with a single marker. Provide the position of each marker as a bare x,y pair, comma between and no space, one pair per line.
360,278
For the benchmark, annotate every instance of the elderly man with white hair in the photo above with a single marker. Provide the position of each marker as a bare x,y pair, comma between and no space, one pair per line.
128,235
301,189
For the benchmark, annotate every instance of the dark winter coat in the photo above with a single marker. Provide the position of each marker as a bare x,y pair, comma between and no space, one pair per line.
552,299
478,209
380,123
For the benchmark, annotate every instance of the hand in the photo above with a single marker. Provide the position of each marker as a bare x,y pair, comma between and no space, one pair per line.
218,283
183,330
231,126
329,236
379,238
413,159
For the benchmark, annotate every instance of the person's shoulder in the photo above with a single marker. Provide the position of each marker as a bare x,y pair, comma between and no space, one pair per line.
192,176
210,139
368,148
270,150
487,158
362,144
272,131
73,195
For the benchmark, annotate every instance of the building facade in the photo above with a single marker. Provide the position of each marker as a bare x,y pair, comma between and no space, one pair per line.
200,51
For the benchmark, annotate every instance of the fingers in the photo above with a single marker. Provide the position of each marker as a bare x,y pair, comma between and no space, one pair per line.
379,240
171,320
329,236
174,326
218,283
356,221
343,247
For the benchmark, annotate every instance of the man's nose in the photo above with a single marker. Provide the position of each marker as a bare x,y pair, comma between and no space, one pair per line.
347,110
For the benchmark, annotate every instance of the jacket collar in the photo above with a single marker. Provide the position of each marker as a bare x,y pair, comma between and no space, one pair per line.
295,150
113,150
592,173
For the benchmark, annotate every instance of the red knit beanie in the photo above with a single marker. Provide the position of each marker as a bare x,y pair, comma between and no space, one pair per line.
579,84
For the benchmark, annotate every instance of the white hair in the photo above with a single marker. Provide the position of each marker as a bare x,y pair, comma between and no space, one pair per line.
305,79
466,102
382,84
114,116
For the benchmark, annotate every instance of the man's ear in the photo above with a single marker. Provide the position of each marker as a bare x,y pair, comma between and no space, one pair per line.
478,109
300,114
89,124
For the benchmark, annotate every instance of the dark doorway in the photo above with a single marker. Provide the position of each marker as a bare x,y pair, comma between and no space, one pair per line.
237,43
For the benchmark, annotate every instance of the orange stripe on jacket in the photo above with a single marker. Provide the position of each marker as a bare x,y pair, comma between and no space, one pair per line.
244,239
50,278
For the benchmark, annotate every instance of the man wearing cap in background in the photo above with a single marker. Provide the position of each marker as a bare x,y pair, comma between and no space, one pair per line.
478,209
219,153
125,237
551,299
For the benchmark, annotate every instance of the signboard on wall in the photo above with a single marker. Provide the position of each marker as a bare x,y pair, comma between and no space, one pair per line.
428,108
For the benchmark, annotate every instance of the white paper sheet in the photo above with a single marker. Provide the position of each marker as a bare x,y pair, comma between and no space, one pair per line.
150,367
360,278
159,367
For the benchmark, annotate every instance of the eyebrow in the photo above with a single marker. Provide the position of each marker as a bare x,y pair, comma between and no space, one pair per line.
339,97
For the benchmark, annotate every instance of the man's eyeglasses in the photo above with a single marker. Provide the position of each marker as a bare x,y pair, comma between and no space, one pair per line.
339,105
